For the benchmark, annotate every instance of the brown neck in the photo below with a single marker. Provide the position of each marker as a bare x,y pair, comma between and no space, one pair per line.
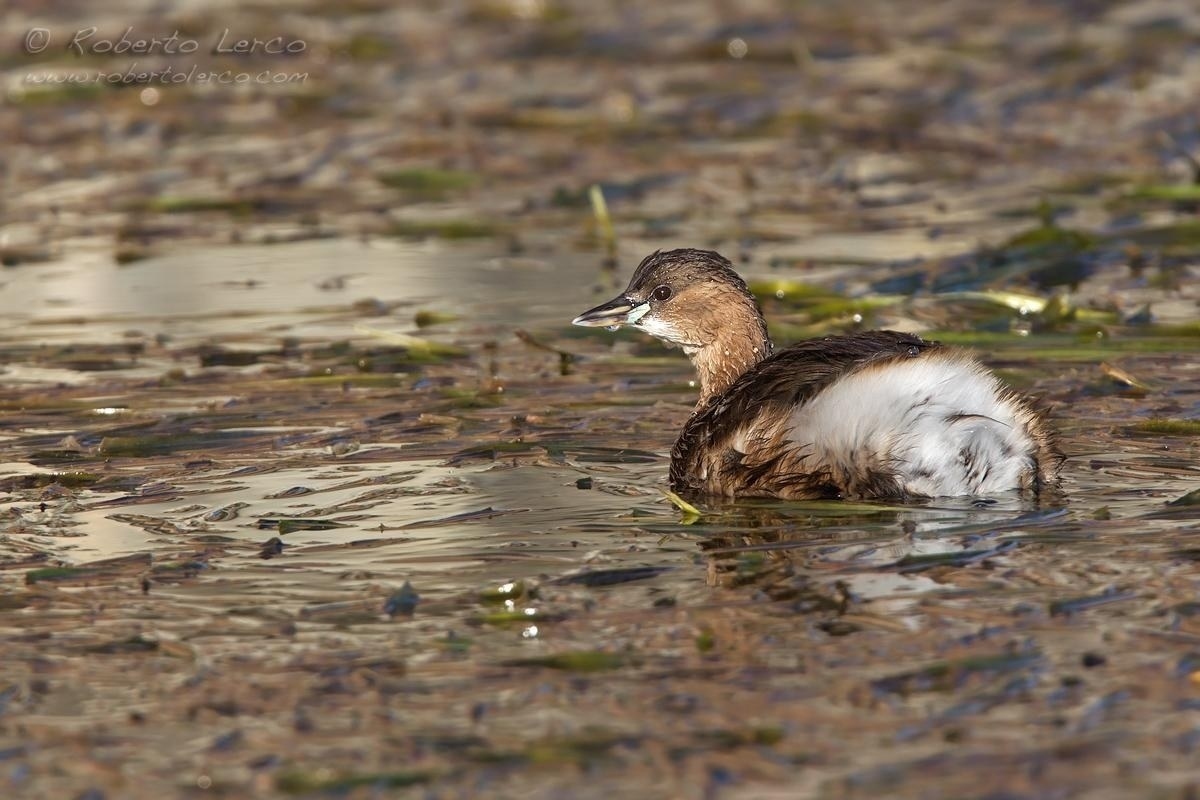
735,350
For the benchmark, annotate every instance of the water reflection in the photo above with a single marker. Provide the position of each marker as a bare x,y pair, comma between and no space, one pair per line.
455,521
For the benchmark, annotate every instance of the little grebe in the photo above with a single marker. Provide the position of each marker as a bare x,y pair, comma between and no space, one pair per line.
877,414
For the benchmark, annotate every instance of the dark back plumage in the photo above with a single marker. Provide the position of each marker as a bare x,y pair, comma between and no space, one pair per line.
703,457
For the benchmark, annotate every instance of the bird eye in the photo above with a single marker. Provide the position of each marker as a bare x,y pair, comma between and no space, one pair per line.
662,293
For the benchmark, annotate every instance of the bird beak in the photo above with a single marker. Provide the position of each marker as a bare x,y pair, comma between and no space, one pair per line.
613,314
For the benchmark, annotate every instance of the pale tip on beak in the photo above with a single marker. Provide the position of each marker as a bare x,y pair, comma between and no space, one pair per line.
616,312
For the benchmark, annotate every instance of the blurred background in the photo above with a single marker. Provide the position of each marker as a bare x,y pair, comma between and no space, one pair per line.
309,487
817,134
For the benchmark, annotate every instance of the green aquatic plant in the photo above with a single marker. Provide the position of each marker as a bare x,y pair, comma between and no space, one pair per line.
575,661
305,782
170,204
428,182
690,514
427,318
608,234
444,229
1171,192
1169,427
1192,498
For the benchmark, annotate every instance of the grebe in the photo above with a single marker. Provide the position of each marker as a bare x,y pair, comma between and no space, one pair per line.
872,415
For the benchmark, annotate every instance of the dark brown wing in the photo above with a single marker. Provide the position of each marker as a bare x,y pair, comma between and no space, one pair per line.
704,460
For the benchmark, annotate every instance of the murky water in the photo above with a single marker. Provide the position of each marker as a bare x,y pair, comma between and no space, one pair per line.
309,488
289,567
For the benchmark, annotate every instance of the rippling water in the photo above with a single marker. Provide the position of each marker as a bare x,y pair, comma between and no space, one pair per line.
308,487
286,572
